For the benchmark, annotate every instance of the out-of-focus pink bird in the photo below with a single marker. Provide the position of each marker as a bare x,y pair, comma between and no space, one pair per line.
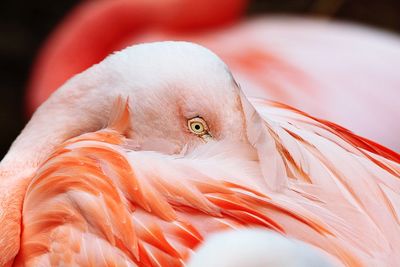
144,182
336,71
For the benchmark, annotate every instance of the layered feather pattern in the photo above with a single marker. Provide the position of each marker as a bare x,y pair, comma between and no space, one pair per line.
98,202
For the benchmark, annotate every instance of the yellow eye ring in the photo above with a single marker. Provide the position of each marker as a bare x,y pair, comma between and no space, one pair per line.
198,126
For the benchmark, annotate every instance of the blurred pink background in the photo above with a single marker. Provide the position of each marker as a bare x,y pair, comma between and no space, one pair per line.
341,72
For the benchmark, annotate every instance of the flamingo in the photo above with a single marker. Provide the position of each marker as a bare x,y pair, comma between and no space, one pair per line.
139,159
334,70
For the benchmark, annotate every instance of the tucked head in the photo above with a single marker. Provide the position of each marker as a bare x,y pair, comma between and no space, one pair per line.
180,93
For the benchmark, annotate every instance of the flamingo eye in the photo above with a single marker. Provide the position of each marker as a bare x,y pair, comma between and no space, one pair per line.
198,126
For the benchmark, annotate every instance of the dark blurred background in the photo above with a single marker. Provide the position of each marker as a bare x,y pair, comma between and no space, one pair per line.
24,25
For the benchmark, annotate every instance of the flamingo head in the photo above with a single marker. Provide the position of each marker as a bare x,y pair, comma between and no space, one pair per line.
181,95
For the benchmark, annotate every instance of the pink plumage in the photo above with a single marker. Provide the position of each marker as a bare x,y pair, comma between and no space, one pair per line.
110,172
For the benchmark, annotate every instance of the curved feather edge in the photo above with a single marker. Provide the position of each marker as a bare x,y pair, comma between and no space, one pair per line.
113,205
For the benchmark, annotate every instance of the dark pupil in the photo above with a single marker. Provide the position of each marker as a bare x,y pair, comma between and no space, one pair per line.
197,127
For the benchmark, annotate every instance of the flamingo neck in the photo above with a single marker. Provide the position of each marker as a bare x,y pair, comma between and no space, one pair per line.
66,114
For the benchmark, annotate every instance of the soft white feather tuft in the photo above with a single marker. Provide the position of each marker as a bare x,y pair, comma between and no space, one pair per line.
257,248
